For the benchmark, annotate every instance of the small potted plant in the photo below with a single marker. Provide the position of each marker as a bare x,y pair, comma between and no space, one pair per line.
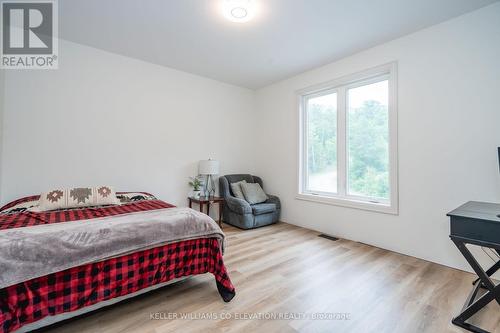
195,183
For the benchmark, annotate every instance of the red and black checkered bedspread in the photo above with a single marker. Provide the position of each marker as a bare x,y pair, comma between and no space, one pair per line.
81,286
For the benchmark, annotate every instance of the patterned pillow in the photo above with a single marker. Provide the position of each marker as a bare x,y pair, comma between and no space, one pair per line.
126,197
78,197
20,207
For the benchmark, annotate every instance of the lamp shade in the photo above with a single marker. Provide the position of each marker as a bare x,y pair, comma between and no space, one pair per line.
208,167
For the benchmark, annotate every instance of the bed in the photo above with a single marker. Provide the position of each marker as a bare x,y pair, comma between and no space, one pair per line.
58,264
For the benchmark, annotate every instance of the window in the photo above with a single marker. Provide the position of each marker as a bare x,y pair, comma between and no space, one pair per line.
322,143
348,141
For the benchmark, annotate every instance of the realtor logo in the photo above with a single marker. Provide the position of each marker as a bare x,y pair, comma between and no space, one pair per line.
29,35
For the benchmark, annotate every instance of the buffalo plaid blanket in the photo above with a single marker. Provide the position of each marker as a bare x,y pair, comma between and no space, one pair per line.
81,286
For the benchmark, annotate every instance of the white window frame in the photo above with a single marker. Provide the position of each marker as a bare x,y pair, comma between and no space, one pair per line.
340,86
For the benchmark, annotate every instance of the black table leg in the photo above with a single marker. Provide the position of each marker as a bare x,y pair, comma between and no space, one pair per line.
490,271
472,305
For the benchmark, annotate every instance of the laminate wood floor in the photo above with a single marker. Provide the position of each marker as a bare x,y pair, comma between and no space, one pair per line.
289,270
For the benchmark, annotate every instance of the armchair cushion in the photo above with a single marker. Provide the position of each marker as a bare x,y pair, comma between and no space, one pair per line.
263,208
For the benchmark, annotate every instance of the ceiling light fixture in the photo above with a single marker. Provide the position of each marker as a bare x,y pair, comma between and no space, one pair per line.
238,10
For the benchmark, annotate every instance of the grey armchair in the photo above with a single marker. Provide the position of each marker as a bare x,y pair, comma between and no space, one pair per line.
240,213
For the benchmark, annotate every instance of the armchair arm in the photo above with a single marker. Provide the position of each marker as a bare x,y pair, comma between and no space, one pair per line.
239,206
275,200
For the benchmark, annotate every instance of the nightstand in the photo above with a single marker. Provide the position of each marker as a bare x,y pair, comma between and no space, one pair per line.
208,200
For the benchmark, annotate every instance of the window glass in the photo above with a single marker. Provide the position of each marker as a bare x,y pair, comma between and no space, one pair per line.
322,143
368,140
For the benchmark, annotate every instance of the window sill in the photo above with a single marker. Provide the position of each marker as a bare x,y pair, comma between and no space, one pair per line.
350,203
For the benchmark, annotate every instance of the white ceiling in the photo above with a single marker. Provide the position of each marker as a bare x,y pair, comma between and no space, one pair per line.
285,38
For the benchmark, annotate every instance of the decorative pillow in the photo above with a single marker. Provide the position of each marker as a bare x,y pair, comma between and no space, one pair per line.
24,205
126,197
236,187
253,193
78,197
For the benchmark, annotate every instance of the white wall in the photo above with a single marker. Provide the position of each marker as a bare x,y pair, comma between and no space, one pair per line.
102,118
449,128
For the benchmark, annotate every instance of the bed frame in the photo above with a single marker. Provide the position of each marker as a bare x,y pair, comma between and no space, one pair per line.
51,320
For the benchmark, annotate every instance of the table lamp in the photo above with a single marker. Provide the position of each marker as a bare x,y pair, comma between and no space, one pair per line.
209,168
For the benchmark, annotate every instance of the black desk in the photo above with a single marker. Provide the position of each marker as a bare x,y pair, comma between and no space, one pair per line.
477,223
